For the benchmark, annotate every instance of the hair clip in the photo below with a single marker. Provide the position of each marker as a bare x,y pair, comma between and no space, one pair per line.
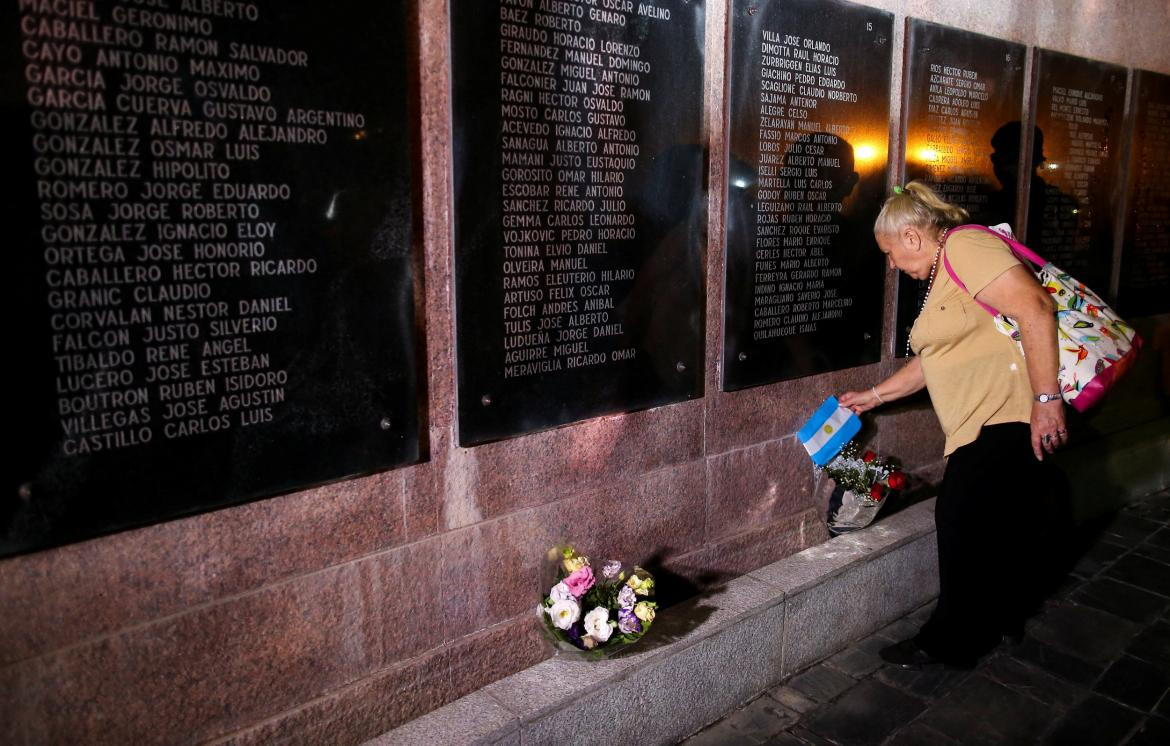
898,190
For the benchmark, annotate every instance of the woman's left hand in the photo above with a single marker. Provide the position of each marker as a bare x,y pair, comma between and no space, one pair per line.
1017,294
1048,429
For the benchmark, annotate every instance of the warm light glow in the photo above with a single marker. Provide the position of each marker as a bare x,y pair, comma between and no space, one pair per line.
1052,166
930,155
741,183
864,152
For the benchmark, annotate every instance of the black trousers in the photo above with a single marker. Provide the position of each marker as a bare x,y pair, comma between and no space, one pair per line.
994,516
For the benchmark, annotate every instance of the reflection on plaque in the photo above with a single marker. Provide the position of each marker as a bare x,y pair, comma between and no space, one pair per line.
1076,168
965,91
212,296
579,210
807,169
1145,256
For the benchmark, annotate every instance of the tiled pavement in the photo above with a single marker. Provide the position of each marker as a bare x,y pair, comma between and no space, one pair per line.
1094,668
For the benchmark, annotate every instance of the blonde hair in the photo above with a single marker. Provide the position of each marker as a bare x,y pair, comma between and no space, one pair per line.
918,205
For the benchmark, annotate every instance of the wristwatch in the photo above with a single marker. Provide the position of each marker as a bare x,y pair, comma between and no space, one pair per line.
1045,398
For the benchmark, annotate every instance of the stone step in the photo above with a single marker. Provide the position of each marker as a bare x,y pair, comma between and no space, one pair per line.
708,655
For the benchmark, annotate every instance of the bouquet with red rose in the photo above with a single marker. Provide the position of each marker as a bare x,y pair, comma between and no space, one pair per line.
864,481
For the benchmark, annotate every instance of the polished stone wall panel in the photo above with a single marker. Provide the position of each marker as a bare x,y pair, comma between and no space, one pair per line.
1075,176
755,486
61,597
205,671
249,332
1144,281
579,209
764,413
378,703
808,129
719,561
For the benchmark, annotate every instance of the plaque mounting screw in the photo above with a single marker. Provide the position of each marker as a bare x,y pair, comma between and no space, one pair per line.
385,423
742,356
25,491
866,336
486,400
680,366
753,9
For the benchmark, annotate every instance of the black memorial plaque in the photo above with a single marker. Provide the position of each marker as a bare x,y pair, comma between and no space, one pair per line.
210,218
1075,181
965,95
579,210
807,171
1144,286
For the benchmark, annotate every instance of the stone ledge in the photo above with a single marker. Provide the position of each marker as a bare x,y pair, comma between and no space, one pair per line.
710,654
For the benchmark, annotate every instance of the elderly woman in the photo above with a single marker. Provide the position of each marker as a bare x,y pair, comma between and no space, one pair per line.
1001,413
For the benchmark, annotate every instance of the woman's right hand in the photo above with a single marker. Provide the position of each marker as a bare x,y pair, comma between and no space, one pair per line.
907,380
858,401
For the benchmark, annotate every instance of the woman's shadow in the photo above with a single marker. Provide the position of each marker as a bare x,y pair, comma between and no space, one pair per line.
683,602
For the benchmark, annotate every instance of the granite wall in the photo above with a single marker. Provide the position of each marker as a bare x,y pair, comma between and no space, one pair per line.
330,615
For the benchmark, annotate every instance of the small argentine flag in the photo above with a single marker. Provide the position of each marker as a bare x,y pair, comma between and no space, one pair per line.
828,430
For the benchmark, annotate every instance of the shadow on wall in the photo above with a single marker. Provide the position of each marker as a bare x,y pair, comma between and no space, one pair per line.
1111,471
1143,394
678,592
673,588
1121,451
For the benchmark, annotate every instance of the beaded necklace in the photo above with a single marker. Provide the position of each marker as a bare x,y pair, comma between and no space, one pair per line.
930,283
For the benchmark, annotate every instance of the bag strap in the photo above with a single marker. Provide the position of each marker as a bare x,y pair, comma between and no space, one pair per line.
1018,249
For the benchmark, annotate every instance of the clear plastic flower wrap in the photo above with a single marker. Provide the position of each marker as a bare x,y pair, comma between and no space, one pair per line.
864,480
595,609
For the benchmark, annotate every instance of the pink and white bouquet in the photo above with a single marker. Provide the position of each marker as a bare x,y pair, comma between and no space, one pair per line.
598,610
